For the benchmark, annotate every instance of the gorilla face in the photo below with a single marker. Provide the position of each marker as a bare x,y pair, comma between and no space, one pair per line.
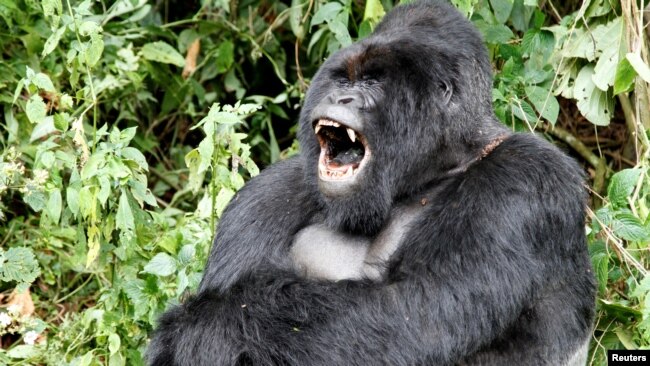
344,149
386,116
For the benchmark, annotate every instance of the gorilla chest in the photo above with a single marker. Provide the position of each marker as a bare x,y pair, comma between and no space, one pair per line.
319,252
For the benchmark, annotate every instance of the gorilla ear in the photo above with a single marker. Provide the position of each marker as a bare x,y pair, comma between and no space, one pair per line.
447,90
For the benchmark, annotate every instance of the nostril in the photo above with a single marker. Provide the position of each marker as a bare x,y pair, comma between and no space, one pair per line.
345,100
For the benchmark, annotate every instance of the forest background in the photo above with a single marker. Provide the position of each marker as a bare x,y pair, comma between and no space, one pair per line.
126,126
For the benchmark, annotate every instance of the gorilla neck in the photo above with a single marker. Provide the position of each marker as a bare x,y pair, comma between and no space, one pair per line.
362,213
451,157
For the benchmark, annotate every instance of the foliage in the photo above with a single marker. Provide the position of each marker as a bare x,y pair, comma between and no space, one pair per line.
128,125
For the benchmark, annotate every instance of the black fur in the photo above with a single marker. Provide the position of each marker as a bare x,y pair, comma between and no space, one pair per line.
494,271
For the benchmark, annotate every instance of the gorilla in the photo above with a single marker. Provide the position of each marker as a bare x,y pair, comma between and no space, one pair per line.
412,229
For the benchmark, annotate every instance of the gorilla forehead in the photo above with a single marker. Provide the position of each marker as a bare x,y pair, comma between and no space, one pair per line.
414,46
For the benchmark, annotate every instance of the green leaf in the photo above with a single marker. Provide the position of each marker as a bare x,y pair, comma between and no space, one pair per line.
135,155
93,165
326,13
612,46
113,343
544,102
521,14
624,80
642,289
36,109
53,41
225,56
162,52
341,33
44,128
89,28
374,10
193,162
524,112
54,206
223,197
124,218
365,29
93,244
161,265
502,9
295,18
142,194
18,264
621,186
23,351
43,82
186,254
465,6
629,227
538,45
639,66
601,265
35,200
87,201
52,7
104,189
595,104
494,33
72,199
94,50
61,122
206,149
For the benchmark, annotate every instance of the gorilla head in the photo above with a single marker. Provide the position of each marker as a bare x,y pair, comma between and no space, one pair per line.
406,106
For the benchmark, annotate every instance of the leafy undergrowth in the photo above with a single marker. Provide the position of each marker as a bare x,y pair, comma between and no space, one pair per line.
128,125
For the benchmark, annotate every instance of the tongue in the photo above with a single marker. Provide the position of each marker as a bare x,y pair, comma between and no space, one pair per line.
345,158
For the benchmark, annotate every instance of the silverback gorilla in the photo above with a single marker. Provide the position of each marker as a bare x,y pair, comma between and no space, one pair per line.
413,228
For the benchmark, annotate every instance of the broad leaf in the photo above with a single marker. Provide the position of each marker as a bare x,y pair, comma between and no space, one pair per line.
161,264
162,52
621,186
595,104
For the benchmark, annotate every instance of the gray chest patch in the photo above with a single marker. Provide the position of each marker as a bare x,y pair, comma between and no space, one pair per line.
322,253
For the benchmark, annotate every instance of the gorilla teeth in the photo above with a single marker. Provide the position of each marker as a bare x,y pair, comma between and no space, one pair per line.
325,122
324,172
351,134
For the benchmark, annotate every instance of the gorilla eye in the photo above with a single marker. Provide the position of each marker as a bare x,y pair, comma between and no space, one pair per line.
372,76
446,89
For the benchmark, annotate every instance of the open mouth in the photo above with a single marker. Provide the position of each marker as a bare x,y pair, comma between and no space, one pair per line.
343,151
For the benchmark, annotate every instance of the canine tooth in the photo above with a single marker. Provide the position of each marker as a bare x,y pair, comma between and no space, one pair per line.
349,172
351,134
317,128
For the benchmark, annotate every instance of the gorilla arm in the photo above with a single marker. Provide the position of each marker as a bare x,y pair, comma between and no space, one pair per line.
259,223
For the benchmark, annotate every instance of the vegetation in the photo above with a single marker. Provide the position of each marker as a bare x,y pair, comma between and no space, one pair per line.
127,125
